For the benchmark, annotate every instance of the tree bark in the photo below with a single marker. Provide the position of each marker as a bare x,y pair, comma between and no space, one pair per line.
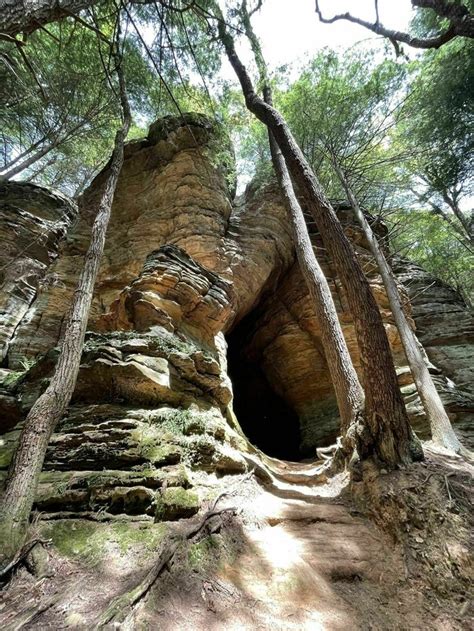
349,393
461,24
53,144
18,168
25,16
467,224
387,434
21,155
23,475
441,429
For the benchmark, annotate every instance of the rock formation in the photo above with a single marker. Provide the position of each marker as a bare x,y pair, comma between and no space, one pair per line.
186,268
201,338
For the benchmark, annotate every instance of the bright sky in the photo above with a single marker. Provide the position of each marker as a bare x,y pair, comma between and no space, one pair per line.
291,32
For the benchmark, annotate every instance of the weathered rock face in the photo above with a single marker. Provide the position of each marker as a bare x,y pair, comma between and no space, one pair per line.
445,327
189,280
33,222
283,339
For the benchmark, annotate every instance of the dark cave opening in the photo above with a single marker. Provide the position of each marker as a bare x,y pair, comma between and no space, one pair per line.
267,420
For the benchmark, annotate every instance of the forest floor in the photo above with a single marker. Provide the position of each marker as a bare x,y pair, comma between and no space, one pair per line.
389,553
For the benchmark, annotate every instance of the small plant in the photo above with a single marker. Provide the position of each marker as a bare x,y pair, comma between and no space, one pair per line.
13,377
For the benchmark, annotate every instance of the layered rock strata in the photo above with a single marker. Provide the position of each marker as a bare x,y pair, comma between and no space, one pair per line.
187,271
33,222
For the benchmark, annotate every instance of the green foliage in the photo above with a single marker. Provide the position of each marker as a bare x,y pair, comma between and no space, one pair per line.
59,103
429,241
55,92
438,120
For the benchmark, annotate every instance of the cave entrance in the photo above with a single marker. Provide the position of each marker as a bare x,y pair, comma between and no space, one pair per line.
265,417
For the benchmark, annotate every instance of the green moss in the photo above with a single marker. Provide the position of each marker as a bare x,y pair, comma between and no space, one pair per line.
77,539
176,502
161,455
8,444
90,542
213,552
12,378
131,535
203,554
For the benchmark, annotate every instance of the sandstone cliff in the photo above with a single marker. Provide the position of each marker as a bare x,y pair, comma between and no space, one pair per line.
201,335
187,272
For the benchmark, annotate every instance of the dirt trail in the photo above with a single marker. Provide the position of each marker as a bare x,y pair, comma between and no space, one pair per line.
309,562
296,556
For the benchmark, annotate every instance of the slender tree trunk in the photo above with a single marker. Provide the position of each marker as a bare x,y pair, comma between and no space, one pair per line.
387,434
23,475
40,170
459,232
441,428
466,223
18,168
349,393
21,155
58,140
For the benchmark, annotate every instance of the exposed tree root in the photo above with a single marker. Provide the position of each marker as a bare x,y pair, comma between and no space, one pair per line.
22,553
121,607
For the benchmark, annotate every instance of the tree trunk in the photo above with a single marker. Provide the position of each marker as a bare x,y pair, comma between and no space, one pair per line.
466,223
43,417
349,393
53,144
25,16
18,168
441,428
21,155
387,434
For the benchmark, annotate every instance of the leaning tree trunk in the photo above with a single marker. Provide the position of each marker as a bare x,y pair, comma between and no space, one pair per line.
23,475
441,428
349,393
467,223
32,159
387,434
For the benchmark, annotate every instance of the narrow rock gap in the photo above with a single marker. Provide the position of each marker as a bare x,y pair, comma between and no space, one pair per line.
267,420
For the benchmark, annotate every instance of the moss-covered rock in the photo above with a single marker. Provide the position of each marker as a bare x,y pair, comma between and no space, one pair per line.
92,542
175,503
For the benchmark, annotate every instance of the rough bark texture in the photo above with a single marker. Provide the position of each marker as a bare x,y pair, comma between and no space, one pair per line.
349,393
22,480
25,16
441,429
388,435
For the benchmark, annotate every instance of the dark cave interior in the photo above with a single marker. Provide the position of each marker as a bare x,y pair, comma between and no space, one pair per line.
265,417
